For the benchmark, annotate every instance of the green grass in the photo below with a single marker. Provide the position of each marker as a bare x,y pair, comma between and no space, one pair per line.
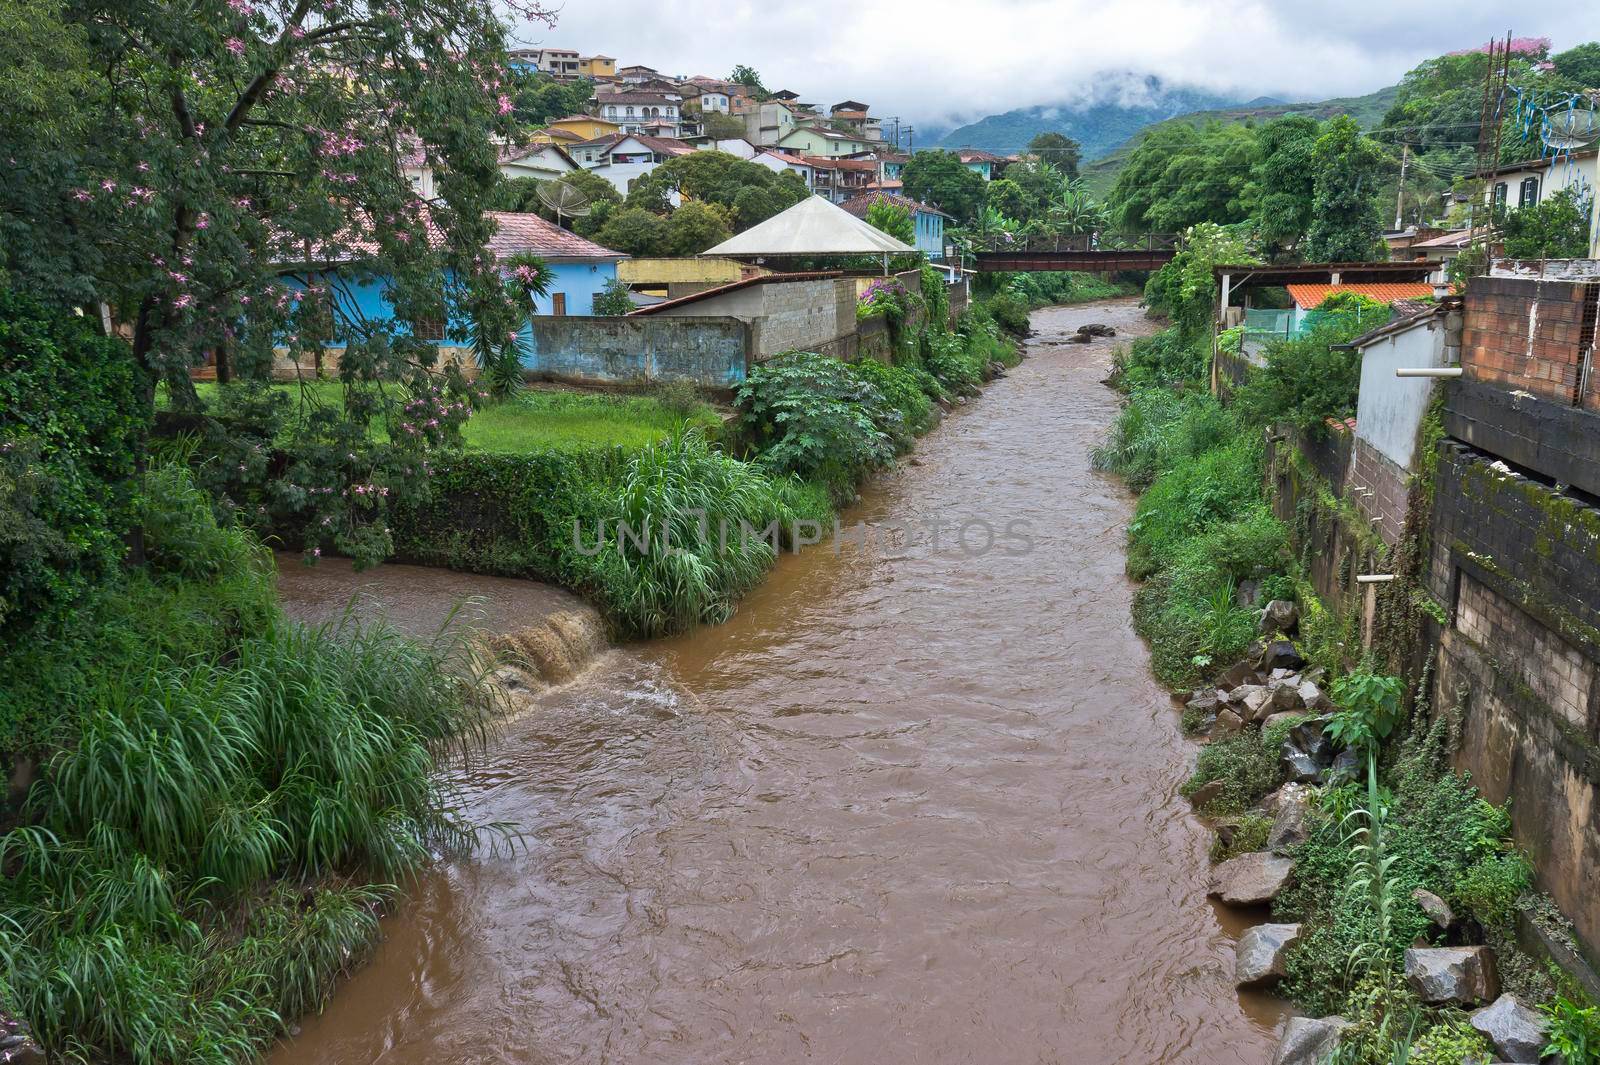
538,419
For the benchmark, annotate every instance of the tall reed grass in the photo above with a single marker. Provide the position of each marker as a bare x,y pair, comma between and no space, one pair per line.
210,845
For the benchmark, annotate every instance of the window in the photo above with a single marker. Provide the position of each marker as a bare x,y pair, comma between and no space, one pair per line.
1500,194
1528,192
558,304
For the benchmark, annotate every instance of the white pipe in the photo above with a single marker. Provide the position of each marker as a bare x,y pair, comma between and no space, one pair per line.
1374,578
1427,371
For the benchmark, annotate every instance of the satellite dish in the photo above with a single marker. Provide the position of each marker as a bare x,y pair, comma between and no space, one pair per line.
564,199
1570,128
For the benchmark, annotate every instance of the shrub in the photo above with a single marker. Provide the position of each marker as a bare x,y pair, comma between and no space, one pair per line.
1159,359
904,388
613,300
1249,833
1311,378
1158,428
1489,889
1010,312
1245,765
811,416
1574,1031
955,362
1215,487
1451,1043
72,412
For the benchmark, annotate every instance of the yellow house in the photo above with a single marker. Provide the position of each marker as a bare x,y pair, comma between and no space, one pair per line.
587,127
597,66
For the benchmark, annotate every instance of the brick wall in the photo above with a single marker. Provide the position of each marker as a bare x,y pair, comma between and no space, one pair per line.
1528,334
1379,490
1557,440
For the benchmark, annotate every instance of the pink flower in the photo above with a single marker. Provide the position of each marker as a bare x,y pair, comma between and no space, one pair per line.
236,46
203,222
503,104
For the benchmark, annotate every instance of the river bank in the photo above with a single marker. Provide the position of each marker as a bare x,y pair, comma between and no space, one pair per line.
907,804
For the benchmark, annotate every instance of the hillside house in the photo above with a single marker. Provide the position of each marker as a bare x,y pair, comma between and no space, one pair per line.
597,66
358,294
768,122
927,221
633,111
778,161
829,143
624,158
840,179
987,164
584,127
1536,180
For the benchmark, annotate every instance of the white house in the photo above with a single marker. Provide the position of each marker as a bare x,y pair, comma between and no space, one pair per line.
1527,183
778,161
543,161
622,159
633,111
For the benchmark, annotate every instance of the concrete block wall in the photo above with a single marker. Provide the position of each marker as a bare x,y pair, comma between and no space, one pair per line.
804,315
1554,439
1530,335
1517,566
633,352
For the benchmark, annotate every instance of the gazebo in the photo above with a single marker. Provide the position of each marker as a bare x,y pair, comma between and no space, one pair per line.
812,227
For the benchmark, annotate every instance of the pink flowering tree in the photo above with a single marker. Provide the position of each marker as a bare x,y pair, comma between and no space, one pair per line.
219,176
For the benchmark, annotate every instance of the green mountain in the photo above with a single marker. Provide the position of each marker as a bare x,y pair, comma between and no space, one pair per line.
1117,108
1101,172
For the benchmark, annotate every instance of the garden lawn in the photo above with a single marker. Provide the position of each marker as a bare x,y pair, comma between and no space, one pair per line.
539,419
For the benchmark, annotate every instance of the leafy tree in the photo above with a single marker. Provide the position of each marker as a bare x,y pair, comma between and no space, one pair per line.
613,300
722,179
635,231
217,146
538,98
696,226
1580,64
1059,150
1179,176
721,127
892,219
1071,210
1285,182
518,194
1185,288
1557,228
1009,198
746,75
1039,180
942,179
1345,225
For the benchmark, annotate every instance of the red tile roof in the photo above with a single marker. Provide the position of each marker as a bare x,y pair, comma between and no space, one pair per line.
857,205
528,233
1307,297
515,234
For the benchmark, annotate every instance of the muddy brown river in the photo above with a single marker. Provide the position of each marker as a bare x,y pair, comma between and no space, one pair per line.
909,805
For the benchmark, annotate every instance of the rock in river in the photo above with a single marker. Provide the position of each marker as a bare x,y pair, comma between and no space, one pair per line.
1258,956
1250,879
1462,975
1280,615
1309,1040
1280,654
1518,1033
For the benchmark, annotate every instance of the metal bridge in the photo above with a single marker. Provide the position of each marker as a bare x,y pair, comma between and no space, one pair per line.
1092,252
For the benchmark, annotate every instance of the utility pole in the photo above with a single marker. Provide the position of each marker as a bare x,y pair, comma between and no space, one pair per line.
1400,196
910,140
1594,219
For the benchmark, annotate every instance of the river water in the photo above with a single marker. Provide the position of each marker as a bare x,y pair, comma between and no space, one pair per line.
909,805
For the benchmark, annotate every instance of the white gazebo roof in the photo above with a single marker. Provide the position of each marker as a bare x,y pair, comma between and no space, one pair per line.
811,227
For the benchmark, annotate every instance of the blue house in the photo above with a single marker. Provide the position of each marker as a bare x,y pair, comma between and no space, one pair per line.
580,270
927,222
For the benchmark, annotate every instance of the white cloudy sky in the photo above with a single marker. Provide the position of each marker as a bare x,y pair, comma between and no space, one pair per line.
928,60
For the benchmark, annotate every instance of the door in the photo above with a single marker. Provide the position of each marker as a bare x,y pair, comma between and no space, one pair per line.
558,304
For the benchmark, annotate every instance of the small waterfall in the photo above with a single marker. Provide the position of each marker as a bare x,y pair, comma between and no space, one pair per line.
557,648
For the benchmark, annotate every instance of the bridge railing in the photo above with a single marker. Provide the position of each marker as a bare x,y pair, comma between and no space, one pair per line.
1074,242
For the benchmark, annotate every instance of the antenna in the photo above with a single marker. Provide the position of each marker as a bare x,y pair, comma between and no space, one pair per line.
564,199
